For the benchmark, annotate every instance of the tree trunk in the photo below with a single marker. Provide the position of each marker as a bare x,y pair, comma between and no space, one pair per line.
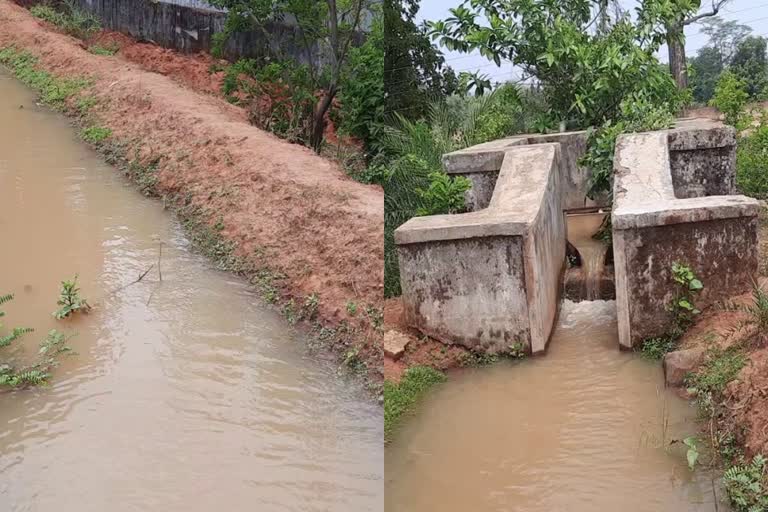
677,63
318,118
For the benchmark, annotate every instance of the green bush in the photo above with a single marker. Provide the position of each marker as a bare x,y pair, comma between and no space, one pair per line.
68,17
279,96
444,194
361,92
731,98
745,485
752,161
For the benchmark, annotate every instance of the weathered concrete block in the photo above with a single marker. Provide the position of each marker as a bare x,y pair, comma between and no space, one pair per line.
653,227
481,164
490,279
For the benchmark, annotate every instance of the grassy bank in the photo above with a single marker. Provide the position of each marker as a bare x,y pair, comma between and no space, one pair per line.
400,398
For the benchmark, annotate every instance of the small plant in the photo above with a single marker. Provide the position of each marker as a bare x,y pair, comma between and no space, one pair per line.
683,308
38,373
375,316
444,195
69,300
309,308
692,453
720,368
656,348
351,308
751,161
289,311
105,51
95,134
745,485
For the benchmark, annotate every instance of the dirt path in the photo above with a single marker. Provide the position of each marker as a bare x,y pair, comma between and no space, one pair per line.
286,209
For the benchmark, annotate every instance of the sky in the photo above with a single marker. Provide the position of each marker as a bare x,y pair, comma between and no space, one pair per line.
753,13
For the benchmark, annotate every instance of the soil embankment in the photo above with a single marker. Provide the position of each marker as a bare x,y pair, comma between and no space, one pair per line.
297,224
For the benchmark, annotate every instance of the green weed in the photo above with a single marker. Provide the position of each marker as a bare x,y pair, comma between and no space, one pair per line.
95,134
69,300
105,51
69,18
745,485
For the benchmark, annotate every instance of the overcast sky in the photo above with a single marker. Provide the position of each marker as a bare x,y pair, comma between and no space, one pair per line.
753,13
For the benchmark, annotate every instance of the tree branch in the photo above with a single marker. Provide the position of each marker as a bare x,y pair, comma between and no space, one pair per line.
716,5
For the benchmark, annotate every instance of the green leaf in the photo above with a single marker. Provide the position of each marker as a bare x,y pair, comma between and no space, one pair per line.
695,284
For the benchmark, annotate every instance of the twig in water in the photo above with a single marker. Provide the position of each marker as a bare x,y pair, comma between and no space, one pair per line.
159,259
132,282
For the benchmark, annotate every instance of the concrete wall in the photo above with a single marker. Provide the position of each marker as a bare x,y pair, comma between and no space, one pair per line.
189,28
481,163
656,222
490,278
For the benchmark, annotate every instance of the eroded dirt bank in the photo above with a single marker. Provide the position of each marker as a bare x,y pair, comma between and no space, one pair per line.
295,223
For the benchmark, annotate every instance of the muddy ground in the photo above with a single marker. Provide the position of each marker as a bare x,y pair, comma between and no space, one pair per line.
297,222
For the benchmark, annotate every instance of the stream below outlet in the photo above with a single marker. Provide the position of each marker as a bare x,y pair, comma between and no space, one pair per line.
186,394
583,428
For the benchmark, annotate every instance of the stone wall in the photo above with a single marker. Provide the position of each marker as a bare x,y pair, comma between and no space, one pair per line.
664,212
490,279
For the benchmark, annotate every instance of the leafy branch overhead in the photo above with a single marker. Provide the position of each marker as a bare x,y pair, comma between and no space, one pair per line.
585,73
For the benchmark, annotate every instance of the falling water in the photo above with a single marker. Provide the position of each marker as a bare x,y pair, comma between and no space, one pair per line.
581,230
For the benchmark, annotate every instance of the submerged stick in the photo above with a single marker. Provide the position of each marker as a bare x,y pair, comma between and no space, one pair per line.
159,260
142,276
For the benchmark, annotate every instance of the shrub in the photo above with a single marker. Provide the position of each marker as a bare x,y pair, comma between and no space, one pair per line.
730,98
444,194
278,95
362,89
752,161
68,17
745,485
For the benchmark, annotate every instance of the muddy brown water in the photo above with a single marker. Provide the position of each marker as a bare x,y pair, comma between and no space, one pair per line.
185,395
584,428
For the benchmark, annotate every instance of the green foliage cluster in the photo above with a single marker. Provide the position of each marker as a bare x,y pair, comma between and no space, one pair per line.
682,307
752,161
38,373
68,17
586,74
401,397
731,98
361,97
69,300
746,486
750,65
54,91
95,134
279,96
720,368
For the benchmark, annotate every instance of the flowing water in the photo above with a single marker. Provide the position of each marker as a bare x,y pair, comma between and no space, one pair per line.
585,428
185,395
581,230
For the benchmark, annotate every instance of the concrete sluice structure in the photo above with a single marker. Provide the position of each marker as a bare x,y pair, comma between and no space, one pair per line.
491,279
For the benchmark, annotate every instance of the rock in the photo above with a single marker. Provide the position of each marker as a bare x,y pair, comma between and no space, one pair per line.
395,344
680,363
